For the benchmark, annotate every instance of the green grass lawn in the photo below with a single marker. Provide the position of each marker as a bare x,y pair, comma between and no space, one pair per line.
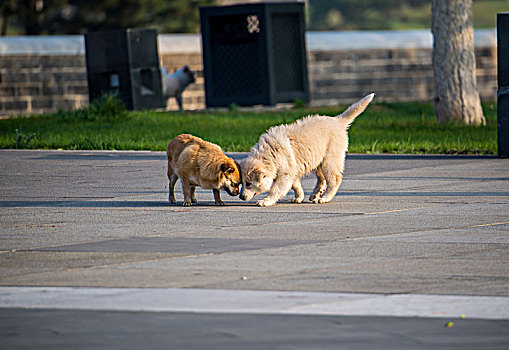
382,128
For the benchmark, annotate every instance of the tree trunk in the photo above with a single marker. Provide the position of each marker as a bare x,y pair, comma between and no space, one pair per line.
456,92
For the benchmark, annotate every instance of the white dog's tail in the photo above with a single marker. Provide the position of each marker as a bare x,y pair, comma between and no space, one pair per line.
354,110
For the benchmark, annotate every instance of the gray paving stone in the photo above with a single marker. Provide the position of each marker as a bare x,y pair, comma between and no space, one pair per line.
400,224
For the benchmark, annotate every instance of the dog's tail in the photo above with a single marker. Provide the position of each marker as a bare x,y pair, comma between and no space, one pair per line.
354,110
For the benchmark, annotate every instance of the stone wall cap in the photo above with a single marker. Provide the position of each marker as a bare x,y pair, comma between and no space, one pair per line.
178,43
191,43
339,40
390,39
42,45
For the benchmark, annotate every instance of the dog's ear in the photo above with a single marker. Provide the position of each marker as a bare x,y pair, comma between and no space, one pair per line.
227,168
186,69
238,167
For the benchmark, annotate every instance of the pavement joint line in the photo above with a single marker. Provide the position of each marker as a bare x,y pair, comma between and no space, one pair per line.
330,216
493,224
417,231
224,301
400,210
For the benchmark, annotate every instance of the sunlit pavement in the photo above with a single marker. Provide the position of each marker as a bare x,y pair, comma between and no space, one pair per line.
411,254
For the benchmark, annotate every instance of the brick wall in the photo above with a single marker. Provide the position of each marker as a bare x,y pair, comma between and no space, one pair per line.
37,78
36,84
395,75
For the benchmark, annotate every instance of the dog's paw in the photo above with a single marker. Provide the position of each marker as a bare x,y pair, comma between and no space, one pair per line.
193,200
321,200
297,200
315,197
220,203
187,204
173,201
265,203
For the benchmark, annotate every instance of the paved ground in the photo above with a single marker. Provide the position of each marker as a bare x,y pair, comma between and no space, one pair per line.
433,229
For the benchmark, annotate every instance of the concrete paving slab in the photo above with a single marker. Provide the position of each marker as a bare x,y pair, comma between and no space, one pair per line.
421,226
394,215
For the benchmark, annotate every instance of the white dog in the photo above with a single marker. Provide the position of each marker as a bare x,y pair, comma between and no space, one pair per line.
287,152
174,84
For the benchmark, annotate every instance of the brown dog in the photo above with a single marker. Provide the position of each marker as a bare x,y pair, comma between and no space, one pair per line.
200,163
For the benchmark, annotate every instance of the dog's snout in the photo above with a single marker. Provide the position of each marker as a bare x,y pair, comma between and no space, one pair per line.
235,192
232,191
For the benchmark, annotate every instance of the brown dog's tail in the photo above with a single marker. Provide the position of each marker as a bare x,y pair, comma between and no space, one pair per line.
354,110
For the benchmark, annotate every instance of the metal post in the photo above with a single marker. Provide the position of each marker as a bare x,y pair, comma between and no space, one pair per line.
503,84
125,62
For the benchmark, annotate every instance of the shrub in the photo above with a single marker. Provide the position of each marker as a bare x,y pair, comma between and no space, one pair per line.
106,109
22,141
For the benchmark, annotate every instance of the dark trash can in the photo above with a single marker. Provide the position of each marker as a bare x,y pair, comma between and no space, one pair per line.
254,54
124,62
503,84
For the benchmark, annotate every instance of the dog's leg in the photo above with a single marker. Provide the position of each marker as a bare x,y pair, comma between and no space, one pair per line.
333,183
320,186
186,188
299,192
333,176
193,197
178,97
279,189
173,181
217,197
332,169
